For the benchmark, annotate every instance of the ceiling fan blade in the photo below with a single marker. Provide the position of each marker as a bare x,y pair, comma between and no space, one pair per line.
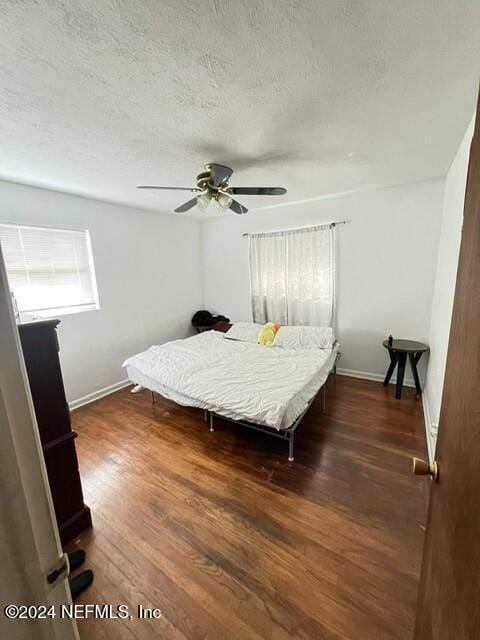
186,206
237,207
219,174
145,186
258,191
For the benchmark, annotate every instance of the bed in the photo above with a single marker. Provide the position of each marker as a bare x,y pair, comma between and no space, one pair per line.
265,388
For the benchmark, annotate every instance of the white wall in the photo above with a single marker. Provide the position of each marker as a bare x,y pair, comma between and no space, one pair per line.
149,271
386,265
148,268
444,286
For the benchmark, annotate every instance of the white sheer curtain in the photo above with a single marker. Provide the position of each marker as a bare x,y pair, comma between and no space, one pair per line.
292,276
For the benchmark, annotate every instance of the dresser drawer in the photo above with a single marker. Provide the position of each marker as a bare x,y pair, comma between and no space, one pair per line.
41,354
64,479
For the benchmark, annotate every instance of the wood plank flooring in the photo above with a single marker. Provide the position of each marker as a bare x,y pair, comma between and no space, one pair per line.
231,541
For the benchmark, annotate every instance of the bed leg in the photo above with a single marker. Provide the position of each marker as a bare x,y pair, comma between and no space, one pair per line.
211,421
324,397
153,397
205,415
290,447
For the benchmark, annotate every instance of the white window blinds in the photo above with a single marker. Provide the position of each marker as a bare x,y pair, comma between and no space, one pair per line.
49,270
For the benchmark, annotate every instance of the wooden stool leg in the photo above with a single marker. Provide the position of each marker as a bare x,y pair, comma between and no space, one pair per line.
413,363
391,368
402,361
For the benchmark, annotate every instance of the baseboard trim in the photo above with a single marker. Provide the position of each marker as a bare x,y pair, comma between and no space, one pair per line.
96,395
428,428
376,377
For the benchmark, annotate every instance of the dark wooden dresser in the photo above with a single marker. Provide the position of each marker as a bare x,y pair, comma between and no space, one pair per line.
40,350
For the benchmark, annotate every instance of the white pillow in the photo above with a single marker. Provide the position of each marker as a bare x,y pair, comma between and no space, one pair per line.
244,331
304,338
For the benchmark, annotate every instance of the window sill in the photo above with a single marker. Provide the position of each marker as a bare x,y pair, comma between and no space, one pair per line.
56,313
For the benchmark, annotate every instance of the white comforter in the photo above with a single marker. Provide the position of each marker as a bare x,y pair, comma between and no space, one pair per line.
265,385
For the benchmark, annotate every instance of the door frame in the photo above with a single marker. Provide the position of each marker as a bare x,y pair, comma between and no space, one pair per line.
29,539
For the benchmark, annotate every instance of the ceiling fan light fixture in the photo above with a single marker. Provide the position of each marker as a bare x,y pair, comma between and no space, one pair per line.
224,200
203,200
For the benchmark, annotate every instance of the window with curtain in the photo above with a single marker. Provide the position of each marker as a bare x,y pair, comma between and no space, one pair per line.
50,271
292,276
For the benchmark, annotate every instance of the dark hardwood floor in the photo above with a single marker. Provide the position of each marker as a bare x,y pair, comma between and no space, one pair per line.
229,540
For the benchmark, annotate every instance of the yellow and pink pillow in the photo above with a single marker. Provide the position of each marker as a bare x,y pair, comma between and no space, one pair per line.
267,333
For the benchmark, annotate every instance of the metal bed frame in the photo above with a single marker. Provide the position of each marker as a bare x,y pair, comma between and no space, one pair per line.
283,434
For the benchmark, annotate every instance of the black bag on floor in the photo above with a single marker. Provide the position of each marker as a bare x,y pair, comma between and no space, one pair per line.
204,318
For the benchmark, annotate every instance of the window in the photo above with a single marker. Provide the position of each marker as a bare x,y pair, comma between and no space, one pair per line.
50,271
292,276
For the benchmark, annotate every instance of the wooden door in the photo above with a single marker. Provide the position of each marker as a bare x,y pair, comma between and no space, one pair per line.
449,597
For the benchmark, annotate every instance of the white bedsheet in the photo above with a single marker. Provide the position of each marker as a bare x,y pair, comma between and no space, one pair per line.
240,380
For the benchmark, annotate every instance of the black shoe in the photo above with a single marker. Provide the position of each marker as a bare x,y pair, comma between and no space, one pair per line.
76,559
80,582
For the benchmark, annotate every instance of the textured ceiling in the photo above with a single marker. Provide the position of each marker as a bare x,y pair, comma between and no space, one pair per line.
319,96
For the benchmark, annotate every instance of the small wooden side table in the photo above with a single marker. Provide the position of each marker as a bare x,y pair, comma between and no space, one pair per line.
398,351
